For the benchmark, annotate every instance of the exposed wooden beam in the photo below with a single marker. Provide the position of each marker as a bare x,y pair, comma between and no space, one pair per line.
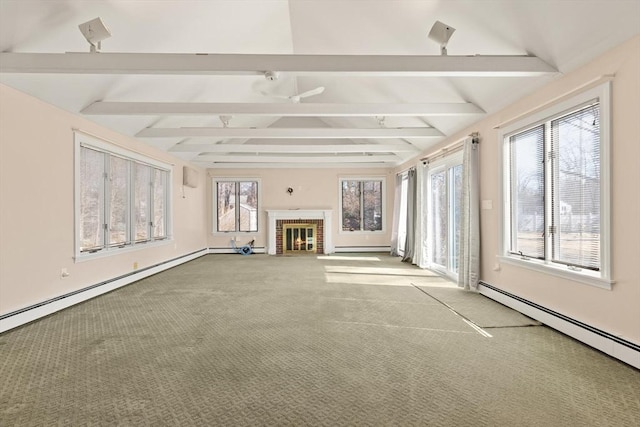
280,109
324,148
297,159
257,64
289,133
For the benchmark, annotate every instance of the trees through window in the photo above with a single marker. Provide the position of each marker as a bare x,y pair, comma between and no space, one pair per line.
236,205
361,204
121,201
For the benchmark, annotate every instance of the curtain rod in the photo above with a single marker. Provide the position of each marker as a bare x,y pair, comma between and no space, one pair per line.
93,135
451,148
583,87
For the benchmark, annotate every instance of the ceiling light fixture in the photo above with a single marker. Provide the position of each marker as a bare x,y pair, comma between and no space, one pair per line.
441,33
272,76
95,31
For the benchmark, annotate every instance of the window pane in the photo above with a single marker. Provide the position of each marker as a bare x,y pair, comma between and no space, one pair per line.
226,195
119,200
248,206
159,203
372,214
527,192
351,205
439,221
141,201
576,188
91,199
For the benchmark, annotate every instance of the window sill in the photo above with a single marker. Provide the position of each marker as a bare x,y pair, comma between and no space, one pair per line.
116,251
365,232
587,278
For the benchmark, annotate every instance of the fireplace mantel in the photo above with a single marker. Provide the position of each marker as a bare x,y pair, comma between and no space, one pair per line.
274,215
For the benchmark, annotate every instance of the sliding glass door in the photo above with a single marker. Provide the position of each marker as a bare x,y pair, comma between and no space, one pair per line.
443,192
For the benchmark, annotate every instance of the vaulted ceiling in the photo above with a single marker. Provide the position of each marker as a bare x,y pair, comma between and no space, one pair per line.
195,78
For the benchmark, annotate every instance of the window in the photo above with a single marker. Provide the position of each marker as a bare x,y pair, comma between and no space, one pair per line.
556,188
443,192
361,204
122,199
236,202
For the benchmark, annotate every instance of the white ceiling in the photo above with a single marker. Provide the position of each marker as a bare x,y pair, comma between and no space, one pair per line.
563,33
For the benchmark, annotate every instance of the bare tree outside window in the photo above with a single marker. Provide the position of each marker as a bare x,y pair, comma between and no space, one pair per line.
361,205
118,200
91,199
237,206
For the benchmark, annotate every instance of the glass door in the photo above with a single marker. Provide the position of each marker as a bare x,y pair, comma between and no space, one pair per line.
443,193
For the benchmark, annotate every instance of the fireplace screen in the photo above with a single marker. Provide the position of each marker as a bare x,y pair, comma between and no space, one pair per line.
299,238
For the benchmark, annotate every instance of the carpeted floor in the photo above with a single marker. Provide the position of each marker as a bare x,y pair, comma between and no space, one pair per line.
353,340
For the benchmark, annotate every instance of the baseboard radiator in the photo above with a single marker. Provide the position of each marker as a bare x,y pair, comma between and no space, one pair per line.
36,311
347,249
612,345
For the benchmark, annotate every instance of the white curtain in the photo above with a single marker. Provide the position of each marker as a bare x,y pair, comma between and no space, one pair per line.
419,257
412,213
396,215
469,249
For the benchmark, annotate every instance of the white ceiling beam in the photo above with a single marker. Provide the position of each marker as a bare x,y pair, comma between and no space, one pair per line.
280,109
290,133
215,158
257,64
331,148
292,165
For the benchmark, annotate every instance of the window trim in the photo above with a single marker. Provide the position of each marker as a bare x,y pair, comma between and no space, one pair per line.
214,204
383,211
87,141
603,278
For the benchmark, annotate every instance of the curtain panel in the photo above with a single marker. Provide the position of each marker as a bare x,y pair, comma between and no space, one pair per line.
469,248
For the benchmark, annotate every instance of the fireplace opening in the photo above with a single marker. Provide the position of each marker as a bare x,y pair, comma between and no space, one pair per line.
299,238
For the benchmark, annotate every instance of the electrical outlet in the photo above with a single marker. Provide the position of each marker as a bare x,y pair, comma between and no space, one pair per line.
135,265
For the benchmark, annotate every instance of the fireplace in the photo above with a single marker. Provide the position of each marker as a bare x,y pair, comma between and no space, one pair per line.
315,222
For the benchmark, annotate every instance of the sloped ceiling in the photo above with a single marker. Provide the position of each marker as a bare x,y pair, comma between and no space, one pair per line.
563,34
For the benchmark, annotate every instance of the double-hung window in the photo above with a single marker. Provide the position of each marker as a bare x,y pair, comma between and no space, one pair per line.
361,204
122,198
556,178
235,204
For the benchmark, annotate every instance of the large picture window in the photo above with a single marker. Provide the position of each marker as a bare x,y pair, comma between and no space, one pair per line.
122,199
556,185
236,203
361,204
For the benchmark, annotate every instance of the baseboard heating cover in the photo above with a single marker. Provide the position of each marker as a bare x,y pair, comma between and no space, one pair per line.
607,343
344,249
36,311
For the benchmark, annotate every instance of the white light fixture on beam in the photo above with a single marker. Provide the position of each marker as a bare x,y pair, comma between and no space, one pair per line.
251,64
281,109
441,33
290,133
95,32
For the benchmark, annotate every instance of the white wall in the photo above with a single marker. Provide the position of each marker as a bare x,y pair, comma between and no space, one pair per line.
37,207
616,311
313,189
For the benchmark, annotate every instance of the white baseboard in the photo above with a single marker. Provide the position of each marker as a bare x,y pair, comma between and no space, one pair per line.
616,347
45,308
343,249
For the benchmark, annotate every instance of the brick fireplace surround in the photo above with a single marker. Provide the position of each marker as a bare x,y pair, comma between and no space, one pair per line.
320,217
319,233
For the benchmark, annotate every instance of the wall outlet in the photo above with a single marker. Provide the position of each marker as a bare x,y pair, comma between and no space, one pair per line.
135,265
64,273
487,204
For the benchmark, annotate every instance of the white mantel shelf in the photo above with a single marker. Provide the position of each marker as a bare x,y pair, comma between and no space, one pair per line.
274,215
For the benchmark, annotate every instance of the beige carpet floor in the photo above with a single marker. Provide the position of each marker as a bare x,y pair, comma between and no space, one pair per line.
255,340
